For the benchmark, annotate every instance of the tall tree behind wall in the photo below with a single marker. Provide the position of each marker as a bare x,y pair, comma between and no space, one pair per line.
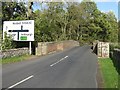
29,10
78,21
119,32
0,24
13,11
119,22
113,32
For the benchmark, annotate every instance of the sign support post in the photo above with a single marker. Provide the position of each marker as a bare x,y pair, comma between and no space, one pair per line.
30,48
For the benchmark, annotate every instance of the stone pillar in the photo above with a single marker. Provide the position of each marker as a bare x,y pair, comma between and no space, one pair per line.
44,48
103,49
60,46
39,49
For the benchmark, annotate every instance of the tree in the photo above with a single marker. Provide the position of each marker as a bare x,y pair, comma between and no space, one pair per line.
87,26
59,21
50,23
29,10
13,11
119,31
113,32
74,16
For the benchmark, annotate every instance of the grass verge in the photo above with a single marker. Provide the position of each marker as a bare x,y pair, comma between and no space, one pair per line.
15,59
109,73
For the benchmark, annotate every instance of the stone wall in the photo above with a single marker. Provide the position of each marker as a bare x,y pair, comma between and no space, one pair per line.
60,46
116,59
101,49
14,52
69,44
41,48
116,54
49,47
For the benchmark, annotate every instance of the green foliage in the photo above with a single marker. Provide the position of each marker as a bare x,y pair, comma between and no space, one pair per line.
13,11
58,21
114,46
119,31
77,21
15,59
7,42
0,34
109,73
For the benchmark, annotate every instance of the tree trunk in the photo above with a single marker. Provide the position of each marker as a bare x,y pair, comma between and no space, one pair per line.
29,13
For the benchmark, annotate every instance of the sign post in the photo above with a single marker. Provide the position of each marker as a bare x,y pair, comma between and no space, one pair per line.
30,48
20,30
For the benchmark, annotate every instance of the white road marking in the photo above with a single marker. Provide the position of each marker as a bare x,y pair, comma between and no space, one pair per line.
20,82
59,61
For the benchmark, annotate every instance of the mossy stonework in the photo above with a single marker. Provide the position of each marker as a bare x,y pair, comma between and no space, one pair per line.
14,52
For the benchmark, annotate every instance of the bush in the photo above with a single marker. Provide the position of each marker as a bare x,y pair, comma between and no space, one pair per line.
7,43
113,46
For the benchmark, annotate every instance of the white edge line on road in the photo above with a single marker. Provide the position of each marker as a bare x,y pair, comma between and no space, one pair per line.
59,61
20,82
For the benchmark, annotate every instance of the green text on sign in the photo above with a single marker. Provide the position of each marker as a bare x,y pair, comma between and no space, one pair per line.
23,38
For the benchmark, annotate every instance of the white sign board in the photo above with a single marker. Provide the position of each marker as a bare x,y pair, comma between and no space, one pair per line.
103,49
19,30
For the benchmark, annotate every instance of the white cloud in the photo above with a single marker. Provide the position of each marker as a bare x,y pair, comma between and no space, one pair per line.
107,11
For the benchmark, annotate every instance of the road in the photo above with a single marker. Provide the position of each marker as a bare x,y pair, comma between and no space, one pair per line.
72,68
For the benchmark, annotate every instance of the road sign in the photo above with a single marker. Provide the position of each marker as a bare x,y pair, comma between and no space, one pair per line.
19,30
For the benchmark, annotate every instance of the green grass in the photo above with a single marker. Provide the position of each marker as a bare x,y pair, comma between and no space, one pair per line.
109,73
15,59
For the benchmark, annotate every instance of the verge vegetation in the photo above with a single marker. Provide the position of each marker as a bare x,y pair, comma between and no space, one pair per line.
16,59
109,73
